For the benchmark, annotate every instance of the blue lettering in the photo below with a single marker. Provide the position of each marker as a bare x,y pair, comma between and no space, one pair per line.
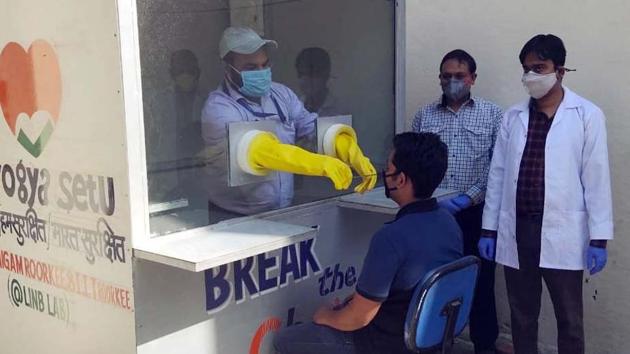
323,289
291,318
242,275
217,288
337,281
265,264
351,278
307,257
335,278
250,282
289,264
322,281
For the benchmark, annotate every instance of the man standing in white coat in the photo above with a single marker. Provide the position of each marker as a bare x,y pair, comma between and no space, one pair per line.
548,211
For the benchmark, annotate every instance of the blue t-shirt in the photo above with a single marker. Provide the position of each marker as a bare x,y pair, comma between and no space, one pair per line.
420,239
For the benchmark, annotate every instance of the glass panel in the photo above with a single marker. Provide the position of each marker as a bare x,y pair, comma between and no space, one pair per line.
333,57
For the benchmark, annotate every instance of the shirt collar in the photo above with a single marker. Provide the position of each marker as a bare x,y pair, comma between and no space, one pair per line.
534,113
442,102
571,100
533,106
420,206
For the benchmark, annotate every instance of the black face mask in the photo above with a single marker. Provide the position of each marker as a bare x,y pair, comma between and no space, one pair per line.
387,189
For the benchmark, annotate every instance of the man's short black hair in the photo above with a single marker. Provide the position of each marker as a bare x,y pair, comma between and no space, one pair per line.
423,158
546,47
461,56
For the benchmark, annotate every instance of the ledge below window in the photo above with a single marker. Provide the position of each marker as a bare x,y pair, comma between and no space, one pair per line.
211,246
207,247
375,200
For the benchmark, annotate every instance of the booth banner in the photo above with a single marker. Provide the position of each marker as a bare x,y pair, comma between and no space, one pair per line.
282,288
240,306
65,250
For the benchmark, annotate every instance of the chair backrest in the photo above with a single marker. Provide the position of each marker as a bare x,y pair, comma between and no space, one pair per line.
440,305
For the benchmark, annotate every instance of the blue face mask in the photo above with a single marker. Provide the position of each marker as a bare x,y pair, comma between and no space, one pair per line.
455,89
256,83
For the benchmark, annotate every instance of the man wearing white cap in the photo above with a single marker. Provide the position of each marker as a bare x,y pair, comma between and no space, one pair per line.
248,94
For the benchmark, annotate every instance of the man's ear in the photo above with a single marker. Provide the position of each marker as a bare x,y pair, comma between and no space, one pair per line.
232,76
561,71
474,77
402,180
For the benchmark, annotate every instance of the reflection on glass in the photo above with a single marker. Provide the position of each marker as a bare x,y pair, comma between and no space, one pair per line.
172,128
194,84
313,70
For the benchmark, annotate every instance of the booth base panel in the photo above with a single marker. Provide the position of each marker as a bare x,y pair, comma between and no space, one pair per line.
237,307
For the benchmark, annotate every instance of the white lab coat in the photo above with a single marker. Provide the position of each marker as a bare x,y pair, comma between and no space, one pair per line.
578,201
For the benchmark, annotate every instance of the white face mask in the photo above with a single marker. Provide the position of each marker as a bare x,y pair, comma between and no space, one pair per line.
538,85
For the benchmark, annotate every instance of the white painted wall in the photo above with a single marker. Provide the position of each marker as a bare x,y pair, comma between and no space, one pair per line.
80,299
597,39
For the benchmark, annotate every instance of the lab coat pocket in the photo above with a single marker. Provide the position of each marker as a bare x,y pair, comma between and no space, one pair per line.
564,240
576,225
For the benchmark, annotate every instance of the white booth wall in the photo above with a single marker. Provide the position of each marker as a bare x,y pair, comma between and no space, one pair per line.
597,39
65,230
171,303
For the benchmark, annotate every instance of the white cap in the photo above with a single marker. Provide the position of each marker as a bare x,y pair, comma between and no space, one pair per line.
242,40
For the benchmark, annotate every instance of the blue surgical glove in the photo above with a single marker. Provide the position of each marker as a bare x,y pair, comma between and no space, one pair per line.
457,204
487,247
596,258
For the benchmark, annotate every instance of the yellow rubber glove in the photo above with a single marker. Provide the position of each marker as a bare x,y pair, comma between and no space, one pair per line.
266,152
349,152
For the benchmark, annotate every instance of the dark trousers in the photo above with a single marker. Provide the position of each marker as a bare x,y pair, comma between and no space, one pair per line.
484,329
524,288
311,338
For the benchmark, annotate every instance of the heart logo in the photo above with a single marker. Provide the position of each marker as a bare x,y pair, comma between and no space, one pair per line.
30,82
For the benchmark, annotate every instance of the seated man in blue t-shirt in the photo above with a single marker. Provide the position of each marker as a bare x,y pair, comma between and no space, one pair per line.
421,238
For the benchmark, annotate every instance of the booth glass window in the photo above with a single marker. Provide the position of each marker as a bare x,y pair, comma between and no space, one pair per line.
334,57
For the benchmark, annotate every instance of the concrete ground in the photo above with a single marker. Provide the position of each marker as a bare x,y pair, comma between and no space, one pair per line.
464,346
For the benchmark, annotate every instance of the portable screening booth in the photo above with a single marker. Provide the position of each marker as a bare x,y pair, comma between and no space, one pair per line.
107,242
75,131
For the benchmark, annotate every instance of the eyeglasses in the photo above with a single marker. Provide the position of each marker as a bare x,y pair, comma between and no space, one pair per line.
385,175
457,76
538,68
541,68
